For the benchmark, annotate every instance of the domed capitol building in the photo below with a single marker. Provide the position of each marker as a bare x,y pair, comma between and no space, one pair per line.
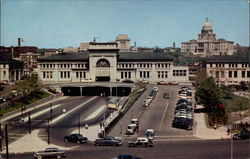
207,44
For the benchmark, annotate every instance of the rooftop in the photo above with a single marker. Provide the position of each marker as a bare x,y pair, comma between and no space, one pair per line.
228,59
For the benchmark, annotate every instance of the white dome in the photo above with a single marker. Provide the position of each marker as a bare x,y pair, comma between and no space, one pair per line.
207,25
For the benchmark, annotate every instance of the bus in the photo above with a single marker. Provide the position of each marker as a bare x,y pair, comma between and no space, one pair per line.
113,103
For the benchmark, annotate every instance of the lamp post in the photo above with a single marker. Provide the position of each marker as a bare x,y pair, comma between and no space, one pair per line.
231,156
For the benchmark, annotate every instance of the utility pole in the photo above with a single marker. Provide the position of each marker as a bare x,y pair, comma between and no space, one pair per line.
51,111
231,146
1,136
29,123
6,141
79,125
48,133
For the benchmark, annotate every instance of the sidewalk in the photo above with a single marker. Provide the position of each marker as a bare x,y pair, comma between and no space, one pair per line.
30,143
202,131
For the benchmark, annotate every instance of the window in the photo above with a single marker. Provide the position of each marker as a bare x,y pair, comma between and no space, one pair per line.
230,74
248,74
140,74
243,74
77,74
159,74
162,74
129,75
222,74
166,74
44,74
235,74
103,63
121,75
217,74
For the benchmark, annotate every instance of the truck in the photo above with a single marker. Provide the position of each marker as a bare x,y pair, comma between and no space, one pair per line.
51,152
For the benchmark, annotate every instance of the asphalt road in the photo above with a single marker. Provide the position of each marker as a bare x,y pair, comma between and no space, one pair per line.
169,142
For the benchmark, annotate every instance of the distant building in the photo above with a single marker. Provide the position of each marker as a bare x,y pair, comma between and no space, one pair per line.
122,41
47,52
70,49
207,44
30,62
229,70
10,70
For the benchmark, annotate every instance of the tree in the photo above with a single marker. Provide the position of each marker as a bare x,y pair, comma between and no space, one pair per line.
208,93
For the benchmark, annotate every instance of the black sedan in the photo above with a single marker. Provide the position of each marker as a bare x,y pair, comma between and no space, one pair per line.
242,135
77,138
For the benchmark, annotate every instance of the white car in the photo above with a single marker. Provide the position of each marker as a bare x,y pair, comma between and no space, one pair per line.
131,129
156,89
86,80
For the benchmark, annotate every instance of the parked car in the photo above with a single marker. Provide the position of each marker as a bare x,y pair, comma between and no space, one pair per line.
77,138
2,100
140,141
156,89
173,83
182,123
50,153
108,141
87,80
162,83
242,135
145,81
182,100
127,81
127,156
150,134
166,95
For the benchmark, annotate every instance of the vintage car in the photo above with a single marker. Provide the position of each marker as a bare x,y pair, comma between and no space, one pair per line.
108,141
150,134
77,138
50,153
140,141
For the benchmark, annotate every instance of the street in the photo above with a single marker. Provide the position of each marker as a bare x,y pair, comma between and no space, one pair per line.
168,143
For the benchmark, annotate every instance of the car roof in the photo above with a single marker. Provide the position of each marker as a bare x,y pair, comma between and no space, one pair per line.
150,130
142,138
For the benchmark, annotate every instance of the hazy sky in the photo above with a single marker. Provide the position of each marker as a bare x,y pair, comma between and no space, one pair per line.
63,23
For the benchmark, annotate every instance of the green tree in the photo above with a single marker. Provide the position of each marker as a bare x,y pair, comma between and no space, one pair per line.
208,93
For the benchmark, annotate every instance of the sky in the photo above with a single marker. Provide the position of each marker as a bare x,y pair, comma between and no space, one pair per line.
149,23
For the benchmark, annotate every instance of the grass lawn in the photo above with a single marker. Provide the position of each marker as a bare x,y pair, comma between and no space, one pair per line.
26,100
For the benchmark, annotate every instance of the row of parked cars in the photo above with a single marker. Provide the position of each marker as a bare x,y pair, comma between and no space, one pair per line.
183,115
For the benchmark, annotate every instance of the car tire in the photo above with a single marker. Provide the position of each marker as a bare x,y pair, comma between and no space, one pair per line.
39,157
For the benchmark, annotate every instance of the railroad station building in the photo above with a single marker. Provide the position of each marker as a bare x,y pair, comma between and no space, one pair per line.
104,62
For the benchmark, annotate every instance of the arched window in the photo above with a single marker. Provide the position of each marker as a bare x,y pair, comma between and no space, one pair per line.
102,63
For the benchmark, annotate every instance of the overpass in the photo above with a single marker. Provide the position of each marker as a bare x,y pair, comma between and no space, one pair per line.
97,89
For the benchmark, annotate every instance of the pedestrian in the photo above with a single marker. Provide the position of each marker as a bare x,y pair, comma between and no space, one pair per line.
228,131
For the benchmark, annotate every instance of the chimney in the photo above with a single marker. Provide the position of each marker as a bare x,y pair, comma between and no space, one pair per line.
19,42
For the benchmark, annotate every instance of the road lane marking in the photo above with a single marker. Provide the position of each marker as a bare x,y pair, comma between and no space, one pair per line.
163,116
65,114
32,108
93,115
164,140
40,113
173,136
